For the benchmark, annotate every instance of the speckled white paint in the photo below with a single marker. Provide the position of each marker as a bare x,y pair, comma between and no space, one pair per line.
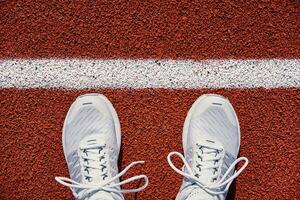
77,73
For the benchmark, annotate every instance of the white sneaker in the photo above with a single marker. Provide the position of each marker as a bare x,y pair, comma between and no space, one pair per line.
91,142
211,141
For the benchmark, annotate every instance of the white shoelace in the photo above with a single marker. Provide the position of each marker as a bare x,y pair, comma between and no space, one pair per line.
90,188
106,185
214,188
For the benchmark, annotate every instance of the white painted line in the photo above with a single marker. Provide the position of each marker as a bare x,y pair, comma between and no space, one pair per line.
76,73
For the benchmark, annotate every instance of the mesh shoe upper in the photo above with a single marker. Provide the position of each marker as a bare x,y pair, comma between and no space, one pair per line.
91,142
88,115
211,139
214,120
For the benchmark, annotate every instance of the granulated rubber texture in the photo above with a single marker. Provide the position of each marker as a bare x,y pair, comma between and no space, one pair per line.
151,121
150,29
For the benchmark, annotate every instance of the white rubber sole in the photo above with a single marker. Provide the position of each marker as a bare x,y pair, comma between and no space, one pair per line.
112,110
191,112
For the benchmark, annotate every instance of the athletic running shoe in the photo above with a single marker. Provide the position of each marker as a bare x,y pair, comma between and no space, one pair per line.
91,141
211,142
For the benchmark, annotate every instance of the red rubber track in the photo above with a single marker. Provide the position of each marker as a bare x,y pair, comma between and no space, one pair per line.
201,29
31,120
151,121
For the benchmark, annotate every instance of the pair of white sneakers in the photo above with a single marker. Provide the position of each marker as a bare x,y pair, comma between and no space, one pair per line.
92,139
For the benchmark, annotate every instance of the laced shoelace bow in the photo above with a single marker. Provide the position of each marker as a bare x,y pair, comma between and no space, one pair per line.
216,187
106,185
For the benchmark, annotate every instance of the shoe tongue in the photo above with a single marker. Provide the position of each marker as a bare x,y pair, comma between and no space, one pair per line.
210,143
101,195
206,175
200,194
92,140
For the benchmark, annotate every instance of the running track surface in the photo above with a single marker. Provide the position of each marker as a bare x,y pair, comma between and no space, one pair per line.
151,119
